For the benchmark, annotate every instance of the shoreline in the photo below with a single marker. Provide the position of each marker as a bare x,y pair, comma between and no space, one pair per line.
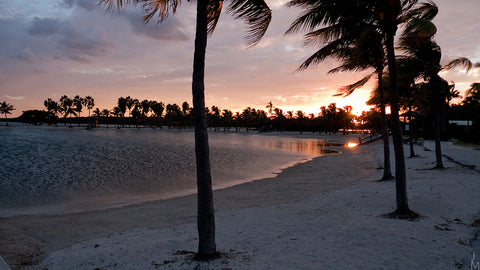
285,151
302,213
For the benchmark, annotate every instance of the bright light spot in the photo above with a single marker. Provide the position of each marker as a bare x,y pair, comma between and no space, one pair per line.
351,144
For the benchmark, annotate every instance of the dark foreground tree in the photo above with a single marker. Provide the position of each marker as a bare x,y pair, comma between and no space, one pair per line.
257,15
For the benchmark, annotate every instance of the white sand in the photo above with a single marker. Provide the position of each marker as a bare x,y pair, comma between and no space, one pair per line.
302,219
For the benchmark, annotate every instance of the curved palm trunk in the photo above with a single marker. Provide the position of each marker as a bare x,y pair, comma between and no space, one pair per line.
6,119
400,171
205,211
387,170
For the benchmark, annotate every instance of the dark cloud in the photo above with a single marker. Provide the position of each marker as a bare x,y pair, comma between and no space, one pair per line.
72,41
89,5
171,29
45,26
81,46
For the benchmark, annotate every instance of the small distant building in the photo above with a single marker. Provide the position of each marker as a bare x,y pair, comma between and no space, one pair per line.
460,123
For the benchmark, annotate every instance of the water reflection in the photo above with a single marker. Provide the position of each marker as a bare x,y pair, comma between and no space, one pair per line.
308,147
351,144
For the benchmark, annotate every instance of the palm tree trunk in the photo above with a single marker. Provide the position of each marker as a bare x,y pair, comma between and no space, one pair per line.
6,119
410,123
387,170
437,127
205,211
400,171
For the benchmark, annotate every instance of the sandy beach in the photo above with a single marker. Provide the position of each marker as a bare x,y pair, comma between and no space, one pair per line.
300,219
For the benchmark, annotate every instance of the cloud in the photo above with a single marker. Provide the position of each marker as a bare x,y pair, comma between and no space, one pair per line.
82,45
15,97
44,26
88,5
171,29
78,43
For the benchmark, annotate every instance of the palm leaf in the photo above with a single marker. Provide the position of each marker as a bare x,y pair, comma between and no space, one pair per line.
329,50
214,9
461,61
348,89
256,14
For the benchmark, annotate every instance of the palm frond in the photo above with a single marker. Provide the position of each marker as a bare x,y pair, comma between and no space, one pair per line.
349,89
329,50
419,28
461,61
426,11
112,4
162,7
256,14
214,9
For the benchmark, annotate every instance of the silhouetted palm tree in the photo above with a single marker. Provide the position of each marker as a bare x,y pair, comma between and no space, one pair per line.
339,20
117,112
88,102
357,45
6,108
158,108
52,108
66,107
78,106
269,107
122,105
106,113
257,14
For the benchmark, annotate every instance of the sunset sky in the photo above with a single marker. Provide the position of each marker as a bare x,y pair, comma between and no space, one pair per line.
50,48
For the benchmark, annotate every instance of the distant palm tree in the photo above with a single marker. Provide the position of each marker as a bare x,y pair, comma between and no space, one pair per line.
97,112
257,14
117,112
88,102
122,106
78,104
52,108
129,103
269,107
66,107
158,108
146,105
6,108
106,113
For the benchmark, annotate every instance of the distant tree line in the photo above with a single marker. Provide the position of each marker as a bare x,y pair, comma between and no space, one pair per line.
131,112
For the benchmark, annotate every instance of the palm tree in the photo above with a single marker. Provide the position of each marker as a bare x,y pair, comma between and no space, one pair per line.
66,107
146,105
52,108
78,104
340,23
106,113
255,13
122,105
129,103
269,107
359,48
6,108
88,102
117,112
158,108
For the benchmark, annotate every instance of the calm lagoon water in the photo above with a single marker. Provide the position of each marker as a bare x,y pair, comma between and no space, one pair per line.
61,170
